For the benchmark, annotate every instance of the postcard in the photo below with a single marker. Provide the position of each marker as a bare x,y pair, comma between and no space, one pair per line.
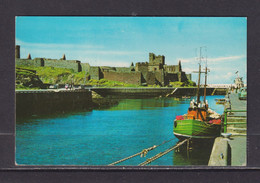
131,91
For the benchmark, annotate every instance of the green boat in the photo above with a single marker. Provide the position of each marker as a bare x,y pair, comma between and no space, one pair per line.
200,121
195,128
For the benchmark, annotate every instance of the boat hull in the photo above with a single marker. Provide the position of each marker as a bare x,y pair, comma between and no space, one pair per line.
192,128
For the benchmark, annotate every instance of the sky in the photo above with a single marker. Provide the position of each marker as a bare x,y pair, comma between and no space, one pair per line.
119,41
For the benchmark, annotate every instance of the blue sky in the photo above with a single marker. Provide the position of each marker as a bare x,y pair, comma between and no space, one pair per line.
118,41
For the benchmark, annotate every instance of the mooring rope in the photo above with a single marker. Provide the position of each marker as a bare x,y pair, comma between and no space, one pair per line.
148,161
143,152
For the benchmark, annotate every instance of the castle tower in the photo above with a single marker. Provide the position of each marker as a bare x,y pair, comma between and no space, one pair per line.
151,57
29,56
63,57
180,66
17,51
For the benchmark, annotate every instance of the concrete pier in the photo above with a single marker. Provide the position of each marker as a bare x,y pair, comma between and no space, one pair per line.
233,148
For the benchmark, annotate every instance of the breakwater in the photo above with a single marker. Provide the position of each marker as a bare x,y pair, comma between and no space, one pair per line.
155,92
34,102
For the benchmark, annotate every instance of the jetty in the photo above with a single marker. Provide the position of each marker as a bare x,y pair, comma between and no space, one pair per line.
230,149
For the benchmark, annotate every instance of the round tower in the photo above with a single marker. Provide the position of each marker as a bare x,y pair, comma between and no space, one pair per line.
17,51
63,57
29,56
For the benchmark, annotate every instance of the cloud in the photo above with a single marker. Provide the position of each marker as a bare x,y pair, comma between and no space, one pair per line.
229,58
217,59
186,60
72,51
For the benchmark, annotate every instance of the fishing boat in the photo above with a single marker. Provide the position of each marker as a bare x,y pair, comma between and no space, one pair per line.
200,121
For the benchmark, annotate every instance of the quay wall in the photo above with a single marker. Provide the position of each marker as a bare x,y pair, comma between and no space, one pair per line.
47,102
221,153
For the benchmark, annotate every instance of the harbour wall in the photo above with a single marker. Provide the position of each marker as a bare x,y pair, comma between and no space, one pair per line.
36,102
154,92
47,102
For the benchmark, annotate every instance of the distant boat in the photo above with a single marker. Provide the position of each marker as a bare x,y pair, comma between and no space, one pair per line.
220,101
200,121
186,97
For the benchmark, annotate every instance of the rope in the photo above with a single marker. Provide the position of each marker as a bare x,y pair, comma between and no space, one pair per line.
148,161
143,152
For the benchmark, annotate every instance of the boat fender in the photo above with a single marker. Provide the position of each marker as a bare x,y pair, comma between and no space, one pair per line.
175,123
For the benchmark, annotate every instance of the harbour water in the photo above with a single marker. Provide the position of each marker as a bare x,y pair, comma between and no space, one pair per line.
103,136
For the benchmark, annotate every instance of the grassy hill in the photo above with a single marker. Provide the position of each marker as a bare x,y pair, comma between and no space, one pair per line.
35,77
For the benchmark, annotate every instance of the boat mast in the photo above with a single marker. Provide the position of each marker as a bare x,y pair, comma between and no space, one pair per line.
205,92
198,89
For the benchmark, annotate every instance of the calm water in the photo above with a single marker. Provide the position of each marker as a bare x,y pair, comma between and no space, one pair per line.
100,137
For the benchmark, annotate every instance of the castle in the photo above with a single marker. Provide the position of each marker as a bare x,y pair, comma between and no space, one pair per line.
143,73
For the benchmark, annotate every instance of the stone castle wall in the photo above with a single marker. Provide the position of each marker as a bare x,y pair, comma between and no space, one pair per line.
141,66
66,64
171,68
95,73
75,65
28,62
182,76
188,76
149,78
172,77
130,77
85,67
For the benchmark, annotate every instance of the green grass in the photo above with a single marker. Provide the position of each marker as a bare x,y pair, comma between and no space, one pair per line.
109,83
53,75
187,83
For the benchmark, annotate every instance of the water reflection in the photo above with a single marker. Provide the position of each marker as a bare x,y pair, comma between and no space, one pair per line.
193,153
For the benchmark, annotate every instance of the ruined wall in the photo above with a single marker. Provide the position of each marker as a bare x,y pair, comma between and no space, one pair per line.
123,69
188,76
107,68
155,67
182,76
28,62
172,77
95,73
160,77
153,59
149,78
130,77
41,62
141,66
85,67
171,68
66,64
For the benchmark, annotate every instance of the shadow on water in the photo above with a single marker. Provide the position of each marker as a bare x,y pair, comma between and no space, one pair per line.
194,152
65,111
